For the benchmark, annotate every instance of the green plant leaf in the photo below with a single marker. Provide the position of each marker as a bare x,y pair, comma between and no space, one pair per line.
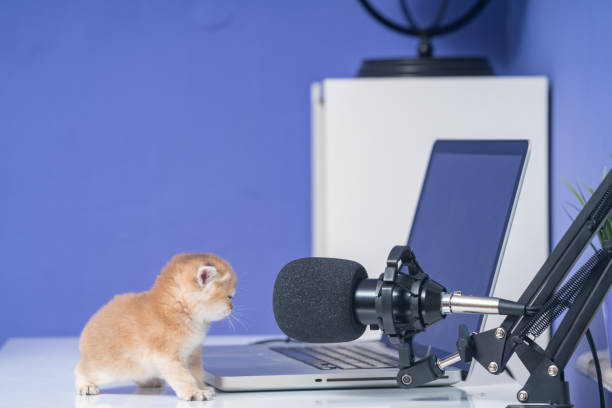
567,212
573,190
600,238
605,232
589,189
574,206
607,229
584,200
572,218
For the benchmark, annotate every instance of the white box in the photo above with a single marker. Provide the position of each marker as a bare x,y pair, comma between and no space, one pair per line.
371,140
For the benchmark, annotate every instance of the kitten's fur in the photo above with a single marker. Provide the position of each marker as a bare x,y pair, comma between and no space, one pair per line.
144,337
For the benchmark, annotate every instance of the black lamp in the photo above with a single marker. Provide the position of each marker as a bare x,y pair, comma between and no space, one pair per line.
425,64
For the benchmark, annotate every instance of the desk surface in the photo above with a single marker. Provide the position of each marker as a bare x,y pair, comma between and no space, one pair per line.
38,372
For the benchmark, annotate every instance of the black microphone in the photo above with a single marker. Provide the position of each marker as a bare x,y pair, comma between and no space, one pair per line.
328,300
314,300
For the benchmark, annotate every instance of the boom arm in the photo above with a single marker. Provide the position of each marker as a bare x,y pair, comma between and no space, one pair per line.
588,287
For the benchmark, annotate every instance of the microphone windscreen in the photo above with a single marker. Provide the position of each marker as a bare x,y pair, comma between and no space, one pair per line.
314,300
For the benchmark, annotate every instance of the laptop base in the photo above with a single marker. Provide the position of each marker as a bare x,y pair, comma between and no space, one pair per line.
259,368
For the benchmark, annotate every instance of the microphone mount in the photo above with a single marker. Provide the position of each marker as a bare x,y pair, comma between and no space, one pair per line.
432,303
419,291
404,304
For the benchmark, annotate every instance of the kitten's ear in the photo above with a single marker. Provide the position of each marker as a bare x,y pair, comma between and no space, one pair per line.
205,274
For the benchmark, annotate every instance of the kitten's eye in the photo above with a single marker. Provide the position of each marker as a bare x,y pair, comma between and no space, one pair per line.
230,297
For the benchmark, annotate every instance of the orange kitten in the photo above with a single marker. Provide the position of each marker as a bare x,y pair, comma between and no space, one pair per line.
144,337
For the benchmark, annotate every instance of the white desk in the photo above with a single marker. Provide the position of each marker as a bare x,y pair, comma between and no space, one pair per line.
38,372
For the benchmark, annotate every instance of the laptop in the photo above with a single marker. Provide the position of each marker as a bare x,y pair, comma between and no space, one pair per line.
458,235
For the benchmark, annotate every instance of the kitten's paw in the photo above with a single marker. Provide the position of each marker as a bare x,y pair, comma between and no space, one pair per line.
197,395
88,389
209,392
151,383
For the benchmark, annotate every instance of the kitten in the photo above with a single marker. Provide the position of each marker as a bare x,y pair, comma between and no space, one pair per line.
144,337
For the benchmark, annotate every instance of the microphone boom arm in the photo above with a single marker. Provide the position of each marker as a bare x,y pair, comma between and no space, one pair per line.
582,295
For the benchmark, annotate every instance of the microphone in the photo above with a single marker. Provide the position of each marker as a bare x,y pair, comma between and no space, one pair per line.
329,300
314,300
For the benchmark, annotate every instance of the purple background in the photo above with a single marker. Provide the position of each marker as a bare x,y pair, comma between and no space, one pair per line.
132,130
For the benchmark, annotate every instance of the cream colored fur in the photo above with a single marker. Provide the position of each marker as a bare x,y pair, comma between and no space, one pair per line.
149,336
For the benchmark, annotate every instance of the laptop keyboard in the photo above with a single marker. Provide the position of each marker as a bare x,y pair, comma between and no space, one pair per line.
343,357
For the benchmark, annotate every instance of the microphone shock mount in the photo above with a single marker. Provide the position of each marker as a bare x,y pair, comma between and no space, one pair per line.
404,304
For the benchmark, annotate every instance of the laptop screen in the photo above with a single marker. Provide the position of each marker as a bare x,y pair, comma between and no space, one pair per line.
461,221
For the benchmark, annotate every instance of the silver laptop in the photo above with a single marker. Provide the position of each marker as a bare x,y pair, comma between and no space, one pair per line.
458,234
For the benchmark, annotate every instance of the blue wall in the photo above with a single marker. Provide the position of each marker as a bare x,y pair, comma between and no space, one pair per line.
133,130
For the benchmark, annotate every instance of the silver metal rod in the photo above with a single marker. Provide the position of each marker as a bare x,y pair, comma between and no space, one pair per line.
448,361
457,303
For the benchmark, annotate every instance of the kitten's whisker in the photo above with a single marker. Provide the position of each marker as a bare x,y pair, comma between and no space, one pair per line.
240,308
237,313
238,317
240,322
231,323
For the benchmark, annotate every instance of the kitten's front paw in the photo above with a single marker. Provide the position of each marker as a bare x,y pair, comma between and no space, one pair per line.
209,392
198,395
88,389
